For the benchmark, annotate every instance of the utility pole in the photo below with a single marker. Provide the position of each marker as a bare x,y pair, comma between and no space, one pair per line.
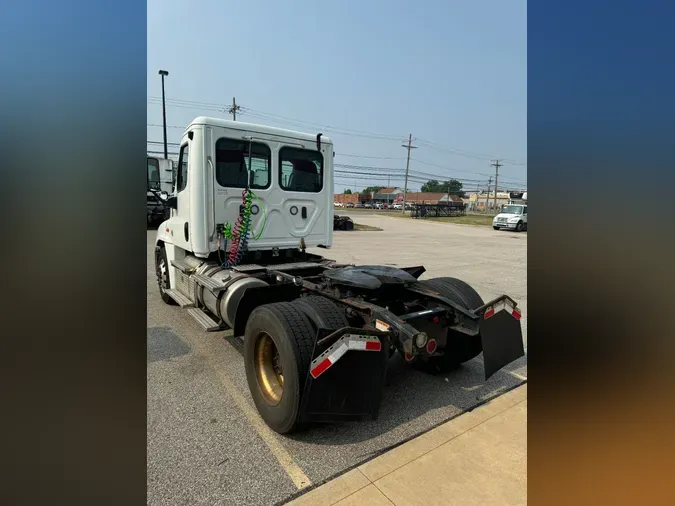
487,197
496,165
166,151
389,188
409,146
233,109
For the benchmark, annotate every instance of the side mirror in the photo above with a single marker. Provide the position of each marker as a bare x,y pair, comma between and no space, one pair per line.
172,202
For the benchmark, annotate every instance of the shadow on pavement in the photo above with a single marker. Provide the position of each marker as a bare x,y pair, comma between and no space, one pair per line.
411,394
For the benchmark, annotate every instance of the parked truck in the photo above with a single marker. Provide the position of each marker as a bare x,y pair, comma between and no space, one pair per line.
160,177
249,202
511,217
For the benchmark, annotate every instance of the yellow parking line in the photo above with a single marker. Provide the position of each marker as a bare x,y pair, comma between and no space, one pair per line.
294,472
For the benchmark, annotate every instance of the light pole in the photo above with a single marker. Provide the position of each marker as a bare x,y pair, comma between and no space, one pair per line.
166,151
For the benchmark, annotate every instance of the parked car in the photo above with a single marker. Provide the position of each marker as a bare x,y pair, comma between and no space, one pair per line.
368,205
339,204
359,205
350,204
379,205
397,206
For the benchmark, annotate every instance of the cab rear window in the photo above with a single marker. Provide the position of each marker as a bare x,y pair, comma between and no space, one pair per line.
232,160
300,170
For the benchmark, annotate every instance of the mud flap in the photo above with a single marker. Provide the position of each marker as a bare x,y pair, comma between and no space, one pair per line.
502,337
351,387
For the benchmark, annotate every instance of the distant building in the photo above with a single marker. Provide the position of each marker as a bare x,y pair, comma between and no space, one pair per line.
427,198
351,197
483,201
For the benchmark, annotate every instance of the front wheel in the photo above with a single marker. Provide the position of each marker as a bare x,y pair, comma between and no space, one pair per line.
496,228
278,347
162,270
519,226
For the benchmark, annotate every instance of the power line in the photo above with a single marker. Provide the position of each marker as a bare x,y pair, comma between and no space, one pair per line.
382,173
338,130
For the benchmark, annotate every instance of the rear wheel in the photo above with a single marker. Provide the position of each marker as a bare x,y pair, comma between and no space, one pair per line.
322,312
459,347
278,346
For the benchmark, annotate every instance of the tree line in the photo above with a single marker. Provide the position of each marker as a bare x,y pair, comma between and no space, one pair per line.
451,186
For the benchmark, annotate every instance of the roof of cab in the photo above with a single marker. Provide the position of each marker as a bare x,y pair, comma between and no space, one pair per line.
261,129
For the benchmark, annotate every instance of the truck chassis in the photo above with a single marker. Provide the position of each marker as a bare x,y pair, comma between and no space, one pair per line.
318,335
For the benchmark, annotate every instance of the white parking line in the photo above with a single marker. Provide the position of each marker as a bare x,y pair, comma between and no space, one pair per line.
516,375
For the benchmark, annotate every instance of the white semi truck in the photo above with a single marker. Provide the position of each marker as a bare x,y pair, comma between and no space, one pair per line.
160,179
249,201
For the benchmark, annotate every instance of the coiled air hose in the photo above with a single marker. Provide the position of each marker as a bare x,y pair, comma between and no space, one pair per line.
239,234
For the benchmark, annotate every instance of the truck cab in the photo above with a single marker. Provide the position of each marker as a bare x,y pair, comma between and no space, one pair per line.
160,179
290,175
511,217
160,174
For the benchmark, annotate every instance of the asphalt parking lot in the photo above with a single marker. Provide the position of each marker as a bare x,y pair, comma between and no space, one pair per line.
206,444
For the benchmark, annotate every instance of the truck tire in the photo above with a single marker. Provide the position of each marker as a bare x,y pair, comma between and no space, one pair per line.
464,290
496,228
278,347
162,270
519,226
322,312
460,347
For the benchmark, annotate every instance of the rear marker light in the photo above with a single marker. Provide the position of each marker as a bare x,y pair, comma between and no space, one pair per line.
431,346
437,319
420,340
373,346
408,357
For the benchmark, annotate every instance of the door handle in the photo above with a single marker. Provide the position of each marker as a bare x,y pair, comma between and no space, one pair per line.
304,213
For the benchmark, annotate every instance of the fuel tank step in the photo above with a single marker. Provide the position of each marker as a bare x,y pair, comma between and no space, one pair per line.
210,283
182,266
203,319
181,299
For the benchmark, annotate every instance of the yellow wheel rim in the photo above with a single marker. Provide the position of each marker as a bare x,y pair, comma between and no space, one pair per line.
268,369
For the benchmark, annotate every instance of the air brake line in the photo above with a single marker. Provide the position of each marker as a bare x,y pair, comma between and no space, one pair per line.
239,234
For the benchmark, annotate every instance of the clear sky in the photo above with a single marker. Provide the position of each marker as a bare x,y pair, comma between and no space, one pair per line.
368,73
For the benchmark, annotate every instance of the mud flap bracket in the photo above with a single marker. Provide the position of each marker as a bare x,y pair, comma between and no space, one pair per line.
347,375
501,336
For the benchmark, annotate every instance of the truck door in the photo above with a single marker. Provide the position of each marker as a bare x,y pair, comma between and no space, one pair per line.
302,179
181,216
232,157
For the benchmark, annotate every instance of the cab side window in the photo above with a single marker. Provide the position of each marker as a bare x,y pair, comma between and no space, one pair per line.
182,174
525,210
